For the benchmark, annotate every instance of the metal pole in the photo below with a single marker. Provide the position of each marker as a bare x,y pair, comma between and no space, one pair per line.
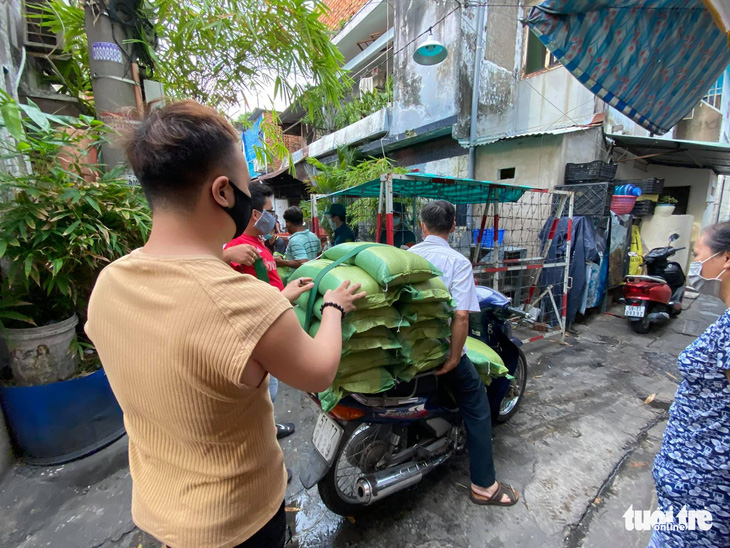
110,61
478,54
567,281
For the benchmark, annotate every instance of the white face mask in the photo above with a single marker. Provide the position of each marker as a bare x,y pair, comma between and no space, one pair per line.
397,221
332,223
706,286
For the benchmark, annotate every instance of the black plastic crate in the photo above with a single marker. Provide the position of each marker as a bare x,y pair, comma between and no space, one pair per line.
590,199
651,185
590,172
643,208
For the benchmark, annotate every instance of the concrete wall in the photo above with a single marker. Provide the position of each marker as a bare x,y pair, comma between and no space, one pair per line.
702,195
539,160
423,95
704,125
10,42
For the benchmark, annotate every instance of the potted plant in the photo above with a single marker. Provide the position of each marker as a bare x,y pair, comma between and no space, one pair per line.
62,219
665,206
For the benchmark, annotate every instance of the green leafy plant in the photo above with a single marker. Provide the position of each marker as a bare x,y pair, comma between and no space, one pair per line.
328,118
218,53
349,170
65,218
665,199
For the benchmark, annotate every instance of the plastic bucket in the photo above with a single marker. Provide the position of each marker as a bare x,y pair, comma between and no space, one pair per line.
41,355
622,205
62,421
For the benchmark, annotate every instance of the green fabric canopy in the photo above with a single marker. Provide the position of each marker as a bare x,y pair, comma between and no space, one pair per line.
438,187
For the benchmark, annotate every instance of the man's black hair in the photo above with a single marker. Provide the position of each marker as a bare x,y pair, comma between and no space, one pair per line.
294,216
259,193
438,216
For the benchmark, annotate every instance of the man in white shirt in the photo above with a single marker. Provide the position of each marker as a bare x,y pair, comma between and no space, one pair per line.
438,220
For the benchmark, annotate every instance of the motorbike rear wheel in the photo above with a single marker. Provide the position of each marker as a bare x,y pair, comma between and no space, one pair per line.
642,326
513,398
358,454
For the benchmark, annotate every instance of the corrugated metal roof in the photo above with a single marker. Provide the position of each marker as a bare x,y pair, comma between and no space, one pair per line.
481,141
677,153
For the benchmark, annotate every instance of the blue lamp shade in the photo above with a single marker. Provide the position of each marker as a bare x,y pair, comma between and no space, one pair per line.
430,52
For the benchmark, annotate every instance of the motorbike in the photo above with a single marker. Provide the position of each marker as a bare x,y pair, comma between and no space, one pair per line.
656,297
371,446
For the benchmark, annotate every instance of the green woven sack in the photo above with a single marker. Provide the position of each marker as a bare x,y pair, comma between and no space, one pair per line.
406,372
363,319
423,350
362,361
378,337
284,272
421,312
375,297
487,362
433,290
429,329
388,265
372,381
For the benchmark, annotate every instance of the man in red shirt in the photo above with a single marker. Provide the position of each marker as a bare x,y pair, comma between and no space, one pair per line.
256,260
262,222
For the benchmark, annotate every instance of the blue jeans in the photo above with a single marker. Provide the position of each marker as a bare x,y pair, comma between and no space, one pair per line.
471,397
273,387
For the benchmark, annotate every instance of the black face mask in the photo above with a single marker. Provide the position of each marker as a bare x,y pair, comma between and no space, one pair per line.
241,210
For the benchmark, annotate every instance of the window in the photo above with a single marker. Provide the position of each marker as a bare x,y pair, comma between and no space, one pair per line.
714,95
538,56
506,173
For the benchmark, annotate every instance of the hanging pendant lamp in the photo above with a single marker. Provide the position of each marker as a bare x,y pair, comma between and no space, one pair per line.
430,52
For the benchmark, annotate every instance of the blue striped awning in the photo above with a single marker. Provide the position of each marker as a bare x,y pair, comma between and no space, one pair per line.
652,60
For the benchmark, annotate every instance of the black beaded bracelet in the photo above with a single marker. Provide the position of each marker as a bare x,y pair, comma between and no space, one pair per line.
333,305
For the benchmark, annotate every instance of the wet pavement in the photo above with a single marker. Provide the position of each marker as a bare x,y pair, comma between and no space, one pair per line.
579,451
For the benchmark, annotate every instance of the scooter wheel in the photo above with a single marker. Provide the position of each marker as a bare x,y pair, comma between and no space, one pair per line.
641,326
514,396
337,492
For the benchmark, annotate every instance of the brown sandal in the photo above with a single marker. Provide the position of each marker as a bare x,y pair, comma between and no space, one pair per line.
496,498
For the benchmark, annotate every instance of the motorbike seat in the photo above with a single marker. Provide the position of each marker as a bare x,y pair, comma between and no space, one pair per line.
640,278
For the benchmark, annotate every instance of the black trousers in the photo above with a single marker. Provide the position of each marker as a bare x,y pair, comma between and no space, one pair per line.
271,535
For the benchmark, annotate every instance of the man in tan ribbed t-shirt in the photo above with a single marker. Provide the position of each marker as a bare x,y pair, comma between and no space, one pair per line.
187,344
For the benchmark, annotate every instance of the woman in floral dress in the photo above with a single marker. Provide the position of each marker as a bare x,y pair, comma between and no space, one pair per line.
692,468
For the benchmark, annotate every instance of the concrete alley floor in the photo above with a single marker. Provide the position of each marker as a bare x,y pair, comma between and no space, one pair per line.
579,451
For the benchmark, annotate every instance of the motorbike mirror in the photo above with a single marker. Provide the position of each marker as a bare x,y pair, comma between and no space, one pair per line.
673,237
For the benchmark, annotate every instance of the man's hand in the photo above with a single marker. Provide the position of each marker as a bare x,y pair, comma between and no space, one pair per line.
296,288
243,254
450,364
292,264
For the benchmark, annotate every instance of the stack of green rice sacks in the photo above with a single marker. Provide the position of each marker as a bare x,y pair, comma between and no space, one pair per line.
398,330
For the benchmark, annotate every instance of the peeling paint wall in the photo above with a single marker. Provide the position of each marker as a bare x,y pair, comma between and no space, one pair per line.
423,95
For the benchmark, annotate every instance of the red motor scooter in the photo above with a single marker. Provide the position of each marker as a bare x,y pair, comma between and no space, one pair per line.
657,296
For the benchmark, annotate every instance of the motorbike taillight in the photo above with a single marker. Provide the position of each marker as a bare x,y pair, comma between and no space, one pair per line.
345,413
637,291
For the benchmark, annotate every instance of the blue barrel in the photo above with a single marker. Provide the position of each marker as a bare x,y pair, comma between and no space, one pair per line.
62,421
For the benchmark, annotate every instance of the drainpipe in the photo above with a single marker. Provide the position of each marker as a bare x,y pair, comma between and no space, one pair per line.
478,54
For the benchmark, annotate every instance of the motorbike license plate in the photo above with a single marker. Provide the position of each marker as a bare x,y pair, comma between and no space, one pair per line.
635,311
326,437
